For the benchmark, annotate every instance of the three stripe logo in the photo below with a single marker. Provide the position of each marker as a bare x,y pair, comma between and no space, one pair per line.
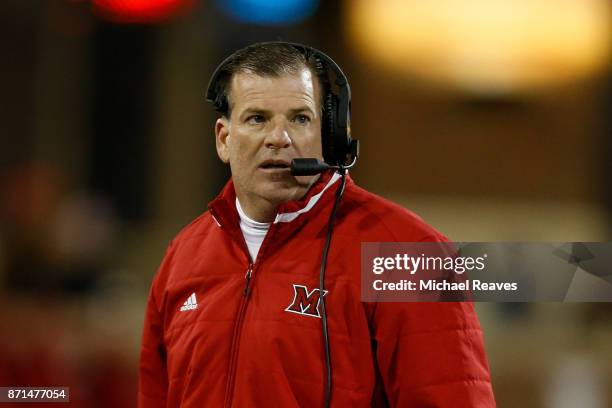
190,304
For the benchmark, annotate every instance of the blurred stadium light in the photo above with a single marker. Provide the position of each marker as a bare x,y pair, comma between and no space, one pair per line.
140,11
485,46
268,12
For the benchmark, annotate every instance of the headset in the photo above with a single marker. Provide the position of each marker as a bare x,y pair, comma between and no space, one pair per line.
340,151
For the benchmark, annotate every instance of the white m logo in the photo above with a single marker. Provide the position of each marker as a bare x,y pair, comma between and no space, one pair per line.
304,302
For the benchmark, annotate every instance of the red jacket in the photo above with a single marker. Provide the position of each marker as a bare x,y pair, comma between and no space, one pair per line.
212,338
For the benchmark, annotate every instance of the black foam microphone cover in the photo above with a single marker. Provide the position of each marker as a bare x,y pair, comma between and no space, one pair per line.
308,167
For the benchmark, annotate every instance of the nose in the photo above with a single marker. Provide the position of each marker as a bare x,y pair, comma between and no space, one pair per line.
278,138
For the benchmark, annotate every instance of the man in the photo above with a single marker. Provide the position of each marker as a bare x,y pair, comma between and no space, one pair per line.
234,312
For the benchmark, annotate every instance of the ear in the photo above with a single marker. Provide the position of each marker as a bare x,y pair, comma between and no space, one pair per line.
222,138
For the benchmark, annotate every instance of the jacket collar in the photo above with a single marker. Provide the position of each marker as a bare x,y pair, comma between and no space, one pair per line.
223,207
291,216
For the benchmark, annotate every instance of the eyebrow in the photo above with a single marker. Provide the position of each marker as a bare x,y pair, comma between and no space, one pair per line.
302,109
259,111
255,110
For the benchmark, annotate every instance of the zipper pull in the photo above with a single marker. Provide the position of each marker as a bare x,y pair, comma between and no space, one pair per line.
247,278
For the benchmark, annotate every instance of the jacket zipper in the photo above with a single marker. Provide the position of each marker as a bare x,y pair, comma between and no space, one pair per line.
231,379
247,280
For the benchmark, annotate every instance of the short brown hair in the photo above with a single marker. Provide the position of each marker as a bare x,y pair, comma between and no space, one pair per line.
266,60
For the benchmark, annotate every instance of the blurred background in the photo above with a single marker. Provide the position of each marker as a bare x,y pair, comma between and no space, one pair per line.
492,119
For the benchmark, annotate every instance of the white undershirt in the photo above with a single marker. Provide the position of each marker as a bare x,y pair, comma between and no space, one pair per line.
253,231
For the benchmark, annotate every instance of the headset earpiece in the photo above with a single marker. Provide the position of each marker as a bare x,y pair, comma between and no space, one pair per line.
330,107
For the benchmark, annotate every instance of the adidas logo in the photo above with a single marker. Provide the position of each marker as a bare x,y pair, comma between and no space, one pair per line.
190,304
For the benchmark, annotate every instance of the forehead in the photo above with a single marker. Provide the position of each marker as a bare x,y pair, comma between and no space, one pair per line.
275,91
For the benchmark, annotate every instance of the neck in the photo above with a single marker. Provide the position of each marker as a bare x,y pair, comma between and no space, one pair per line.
258,209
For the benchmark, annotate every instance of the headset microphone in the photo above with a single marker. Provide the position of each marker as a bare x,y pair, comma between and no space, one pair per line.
311,166
308,167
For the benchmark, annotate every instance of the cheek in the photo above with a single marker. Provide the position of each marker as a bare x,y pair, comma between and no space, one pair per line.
313,146
241,151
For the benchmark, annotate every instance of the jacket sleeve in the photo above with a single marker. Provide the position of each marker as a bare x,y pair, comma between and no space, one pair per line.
431,355
153,375
153,378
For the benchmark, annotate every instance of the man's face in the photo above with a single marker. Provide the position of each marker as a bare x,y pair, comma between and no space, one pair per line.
273,120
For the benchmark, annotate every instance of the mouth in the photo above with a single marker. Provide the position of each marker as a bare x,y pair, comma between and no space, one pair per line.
275,165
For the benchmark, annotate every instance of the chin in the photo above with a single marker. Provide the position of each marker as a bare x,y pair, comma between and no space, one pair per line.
279,194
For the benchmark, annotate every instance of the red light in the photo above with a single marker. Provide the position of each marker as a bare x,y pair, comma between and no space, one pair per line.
140,11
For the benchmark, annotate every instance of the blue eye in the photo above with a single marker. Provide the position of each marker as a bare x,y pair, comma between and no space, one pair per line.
301,119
